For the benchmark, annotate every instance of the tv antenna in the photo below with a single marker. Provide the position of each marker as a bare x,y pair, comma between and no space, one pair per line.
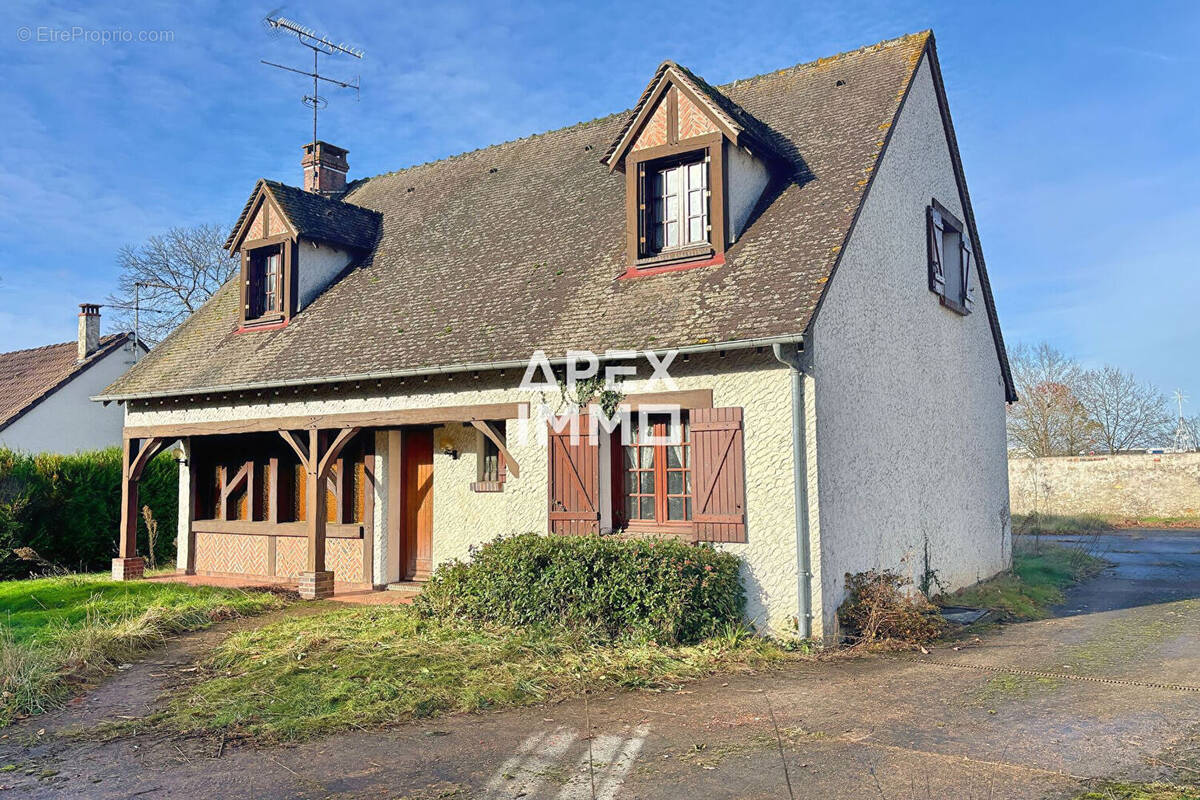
319,45
1185,437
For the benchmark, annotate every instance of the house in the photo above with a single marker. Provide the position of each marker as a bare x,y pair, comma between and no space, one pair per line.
44,391
797,250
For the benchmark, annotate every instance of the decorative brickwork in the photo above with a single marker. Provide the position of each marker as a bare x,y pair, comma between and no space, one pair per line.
316,585
128,569
345,558
654,133
693,121
291,556
243,554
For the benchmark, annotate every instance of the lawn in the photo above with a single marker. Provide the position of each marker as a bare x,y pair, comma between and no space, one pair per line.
1140,791
356,667
64,631
1094,523
1040,573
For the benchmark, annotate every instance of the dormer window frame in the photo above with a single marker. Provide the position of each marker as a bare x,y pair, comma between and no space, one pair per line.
281,314
639,166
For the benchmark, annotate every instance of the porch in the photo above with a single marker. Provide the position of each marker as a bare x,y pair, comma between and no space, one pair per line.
335,506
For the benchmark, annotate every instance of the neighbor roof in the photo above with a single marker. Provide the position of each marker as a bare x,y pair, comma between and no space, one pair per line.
27,377
485,257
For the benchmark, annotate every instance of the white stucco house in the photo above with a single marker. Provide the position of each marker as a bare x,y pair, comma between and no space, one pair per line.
798,248
45,392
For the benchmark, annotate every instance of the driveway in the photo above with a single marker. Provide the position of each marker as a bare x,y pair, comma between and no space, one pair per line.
1030,711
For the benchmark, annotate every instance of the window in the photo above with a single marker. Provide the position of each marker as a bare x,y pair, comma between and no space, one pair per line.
678,204
490,470
658,477
264,283
949,259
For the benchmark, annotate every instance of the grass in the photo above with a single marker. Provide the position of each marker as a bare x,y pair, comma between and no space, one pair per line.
355,667
1040,573
63,631
1094,523
1139,791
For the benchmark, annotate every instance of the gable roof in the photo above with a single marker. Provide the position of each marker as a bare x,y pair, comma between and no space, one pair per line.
484,257
313,216
27,377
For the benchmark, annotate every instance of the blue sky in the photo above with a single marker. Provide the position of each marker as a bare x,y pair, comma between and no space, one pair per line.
1078,122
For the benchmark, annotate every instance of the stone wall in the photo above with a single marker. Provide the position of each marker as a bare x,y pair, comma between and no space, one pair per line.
1143,485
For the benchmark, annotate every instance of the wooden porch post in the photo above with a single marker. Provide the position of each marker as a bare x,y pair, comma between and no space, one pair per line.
316,505
135,454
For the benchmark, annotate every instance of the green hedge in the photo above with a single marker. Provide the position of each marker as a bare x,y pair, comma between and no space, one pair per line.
68,508
653,588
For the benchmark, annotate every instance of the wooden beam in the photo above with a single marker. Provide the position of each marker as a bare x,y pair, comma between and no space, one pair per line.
487,430
367,419
298,445
127,543
335,449
272,514
149,449
315,488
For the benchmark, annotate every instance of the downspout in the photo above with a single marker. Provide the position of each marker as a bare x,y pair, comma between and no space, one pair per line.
793,356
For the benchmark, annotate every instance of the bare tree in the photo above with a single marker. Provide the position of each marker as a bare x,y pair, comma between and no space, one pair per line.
1128,414
178,270
1049,419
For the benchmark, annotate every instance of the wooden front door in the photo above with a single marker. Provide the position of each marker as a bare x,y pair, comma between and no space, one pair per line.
416,534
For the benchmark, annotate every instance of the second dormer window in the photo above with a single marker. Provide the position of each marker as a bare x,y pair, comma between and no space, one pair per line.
264,283
678,204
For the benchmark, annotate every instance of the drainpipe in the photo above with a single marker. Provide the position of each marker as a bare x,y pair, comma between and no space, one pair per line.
793,356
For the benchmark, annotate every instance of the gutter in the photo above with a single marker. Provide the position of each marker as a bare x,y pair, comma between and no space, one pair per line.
793,355
740,344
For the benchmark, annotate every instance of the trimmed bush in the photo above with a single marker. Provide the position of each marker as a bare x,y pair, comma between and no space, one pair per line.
68,508
646,588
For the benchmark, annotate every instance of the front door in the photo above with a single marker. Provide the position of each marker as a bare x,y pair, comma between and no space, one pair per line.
416,535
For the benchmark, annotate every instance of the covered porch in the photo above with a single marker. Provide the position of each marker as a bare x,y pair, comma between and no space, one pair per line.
305,501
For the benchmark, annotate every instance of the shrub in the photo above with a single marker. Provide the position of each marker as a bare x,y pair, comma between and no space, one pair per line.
67,508
878,609
659,589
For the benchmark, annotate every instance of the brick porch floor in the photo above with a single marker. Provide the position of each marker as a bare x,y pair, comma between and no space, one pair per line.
342,592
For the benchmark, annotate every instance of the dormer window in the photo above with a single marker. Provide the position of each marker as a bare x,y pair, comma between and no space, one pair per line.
264,294
693,174
676,204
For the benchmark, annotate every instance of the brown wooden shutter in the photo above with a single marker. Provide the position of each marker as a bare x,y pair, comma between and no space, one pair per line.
937,278
574,486
718,475
968,298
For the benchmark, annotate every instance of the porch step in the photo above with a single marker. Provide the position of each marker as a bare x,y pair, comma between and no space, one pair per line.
408,587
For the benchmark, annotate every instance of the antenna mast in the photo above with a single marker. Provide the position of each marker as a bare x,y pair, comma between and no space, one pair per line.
318,44
1185,437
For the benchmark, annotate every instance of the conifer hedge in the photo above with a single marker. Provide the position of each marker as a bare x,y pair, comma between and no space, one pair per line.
68,509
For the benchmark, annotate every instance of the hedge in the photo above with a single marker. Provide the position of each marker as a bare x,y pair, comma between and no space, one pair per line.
68,508
659,589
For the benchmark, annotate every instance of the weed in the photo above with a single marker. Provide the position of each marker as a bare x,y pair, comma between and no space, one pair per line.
878,609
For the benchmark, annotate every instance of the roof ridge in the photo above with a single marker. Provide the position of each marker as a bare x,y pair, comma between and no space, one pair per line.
358,182
107,336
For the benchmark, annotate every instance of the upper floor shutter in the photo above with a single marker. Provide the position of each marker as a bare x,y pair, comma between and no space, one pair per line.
574,485
937,231
718,475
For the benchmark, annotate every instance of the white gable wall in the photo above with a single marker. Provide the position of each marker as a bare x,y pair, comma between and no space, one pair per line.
317,264
746,178
67,420
909,396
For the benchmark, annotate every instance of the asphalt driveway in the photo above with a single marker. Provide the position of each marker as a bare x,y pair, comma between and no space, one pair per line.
1033,710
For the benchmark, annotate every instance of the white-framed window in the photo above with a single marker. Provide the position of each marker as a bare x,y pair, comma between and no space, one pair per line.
678,204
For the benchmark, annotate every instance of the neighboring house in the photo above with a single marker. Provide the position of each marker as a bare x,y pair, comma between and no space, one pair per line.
45,391
803,240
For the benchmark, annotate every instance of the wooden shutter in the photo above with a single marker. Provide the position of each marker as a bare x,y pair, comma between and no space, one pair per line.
968,298
718,475
937,278
574,486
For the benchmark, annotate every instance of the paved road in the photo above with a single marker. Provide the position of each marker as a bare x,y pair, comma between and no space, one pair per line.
1032,711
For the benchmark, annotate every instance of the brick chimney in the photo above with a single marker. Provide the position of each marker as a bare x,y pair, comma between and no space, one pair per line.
89,330
325,168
